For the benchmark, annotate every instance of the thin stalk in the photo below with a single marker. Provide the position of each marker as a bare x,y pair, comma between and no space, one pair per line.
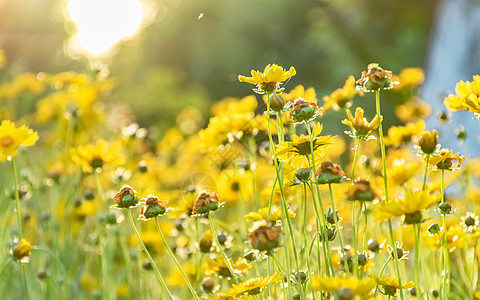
320,231
425,176
382,148
214,233
155,268
381,273
185,277
355,158
416,227
355,240
19,224
340,234
328,258
446,266
104,266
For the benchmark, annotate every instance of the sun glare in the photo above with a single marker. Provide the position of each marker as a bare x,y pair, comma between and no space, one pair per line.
101,24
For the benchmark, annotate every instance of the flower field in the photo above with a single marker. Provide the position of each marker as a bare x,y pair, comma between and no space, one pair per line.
256,203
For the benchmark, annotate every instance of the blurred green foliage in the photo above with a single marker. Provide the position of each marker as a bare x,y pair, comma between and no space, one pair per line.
193,51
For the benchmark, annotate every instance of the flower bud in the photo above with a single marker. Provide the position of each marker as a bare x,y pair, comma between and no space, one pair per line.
208,284
276,103
361,191
428,142
373,246
413,218
206,241
434,229
345,294
142,166
445,208
303,174
469,221
22,250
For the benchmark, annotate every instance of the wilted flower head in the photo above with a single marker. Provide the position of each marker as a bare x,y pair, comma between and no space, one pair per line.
361,191
205,203
269,81
152,207
361,128
266,238
304,111
11,138
375,78
126,198
329,173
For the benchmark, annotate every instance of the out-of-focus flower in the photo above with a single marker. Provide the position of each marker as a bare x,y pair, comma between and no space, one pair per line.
218,266
262,214
466,96
342,97
446,160
375,78
11,138
299,148
389,285
22,250
398,135
361,128
414,109
409,78
329,173
361,191
359,287
269,81
254,286
410,206
265,238
456,238
92,157
25,82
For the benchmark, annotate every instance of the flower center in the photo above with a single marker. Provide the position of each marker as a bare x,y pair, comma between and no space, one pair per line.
96,163
6,141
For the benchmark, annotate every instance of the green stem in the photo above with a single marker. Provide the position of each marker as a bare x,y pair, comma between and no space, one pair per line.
185,277
446,266
355,240
425,176
416,227
340,234
355,157
19,224
214,233
382,148
380,275
328,258
104,266
156,271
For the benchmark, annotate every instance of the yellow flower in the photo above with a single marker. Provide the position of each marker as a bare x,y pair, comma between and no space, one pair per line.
299,92
410,206
275,215
446,160
401,171
269,81
360,287
219,266
11,138
361,128
409,78
342,97
413,109
91,157
254,286
22,250
2,59
404,134
389,285
466,97
297,151
456,238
